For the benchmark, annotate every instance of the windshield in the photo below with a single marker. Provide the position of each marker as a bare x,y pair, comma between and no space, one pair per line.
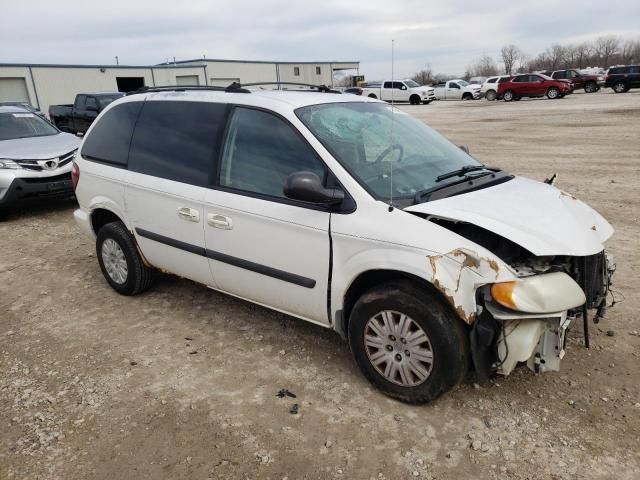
368,140
411,84
107,99
462,83
23,125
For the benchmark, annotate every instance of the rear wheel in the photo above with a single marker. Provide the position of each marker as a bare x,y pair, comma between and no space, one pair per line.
620,87
553,93
120,261
490,95
590,87
507,96
408,342
414,100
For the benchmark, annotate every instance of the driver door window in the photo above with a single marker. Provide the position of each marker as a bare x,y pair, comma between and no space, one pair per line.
261,151
454,85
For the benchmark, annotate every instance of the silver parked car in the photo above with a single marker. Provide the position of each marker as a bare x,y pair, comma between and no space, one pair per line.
35,157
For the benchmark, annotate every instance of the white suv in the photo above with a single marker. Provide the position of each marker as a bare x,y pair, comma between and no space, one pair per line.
490,87
344,212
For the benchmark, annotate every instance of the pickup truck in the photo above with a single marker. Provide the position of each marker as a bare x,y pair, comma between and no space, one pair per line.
590,83
399,91
77,118
457,89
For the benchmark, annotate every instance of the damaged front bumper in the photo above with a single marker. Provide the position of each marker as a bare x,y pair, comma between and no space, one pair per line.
502,337
539,340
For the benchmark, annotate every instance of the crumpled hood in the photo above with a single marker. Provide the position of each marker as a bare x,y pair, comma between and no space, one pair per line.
536,216
425,88
39,148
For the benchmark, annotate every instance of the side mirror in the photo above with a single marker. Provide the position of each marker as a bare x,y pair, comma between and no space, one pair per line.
307,187
465,149
403,87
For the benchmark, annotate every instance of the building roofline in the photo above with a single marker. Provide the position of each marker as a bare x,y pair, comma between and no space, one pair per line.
220,60
67,65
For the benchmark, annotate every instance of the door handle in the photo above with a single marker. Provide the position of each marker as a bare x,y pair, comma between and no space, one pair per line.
219,221
189,214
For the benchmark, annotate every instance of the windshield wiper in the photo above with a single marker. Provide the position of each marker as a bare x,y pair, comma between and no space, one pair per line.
460,172
420,195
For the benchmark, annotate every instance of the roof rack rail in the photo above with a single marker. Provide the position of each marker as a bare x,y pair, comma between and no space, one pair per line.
321,88
235,87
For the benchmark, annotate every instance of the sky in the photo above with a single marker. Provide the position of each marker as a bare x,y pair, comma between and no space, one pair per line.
447,35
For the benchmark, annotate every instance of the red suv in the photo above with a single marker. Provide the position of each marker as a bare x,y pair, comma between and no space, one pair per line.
533,85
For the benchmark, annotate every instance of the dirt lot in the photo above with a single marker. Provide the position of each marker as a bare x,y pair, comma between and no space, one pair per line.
181,382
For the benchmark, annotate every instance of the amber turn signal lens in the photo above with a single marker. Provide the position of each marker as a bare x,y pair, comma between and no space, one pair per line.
503,294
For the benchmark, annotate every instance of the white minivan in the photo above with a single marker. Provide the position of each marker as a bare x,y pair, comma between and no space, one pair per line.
347,213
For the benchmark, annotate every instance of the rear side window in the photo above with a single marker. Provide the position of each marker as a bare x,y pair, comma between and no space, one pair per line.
492,80
177,140
110,137
261,151
504,79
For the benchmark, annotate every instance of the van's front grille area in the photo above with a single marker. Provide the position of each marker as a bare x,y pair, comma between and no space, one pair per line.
592,274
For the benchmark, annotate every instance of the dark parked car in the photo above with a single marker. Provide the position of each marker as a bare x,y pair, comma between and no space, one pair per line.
621,79
533,85
77,118
354,90
590,83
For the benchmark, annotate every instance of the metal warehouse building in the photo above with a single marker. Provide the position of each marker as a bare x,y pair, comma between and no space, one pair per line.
42,85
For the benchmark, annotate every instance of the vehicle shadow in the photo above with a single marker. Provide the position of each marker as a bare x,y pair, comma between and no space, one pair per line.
38,208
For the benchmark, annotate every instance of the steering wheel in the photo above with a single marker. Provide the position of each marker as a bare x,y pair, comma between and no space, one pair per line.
388,150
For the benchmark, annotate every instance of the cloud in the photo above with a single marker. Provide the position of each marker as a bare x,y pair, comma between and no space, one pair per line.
446,35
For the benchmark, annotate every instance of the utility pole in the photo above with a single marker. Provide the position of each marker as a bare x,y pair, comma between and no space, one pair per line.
117,63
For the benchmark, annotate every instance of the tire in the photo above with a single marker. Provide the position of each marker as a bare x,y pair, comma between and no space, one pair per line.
517,99
371,95
553,93
427,102
467,96
414,100
508,96
590,87
490,95
620,87
138,277
446,337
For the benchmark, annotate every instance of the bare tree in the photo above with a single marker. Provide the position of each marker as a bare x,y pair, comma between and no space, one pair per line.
630,52
483,67
510,55
424,77
605,48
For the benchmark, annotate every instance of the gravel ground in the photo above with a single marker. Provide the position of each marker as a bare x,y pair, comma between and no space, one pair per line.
181,382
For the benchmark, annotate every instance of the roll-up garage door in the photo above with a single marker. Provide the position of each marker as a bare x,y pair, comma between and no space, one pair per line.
187,80
13,90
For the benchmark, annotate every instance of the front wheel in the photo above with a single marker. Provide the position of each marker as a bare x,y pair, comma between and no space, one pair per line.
553,93
408,342
467,96
414,100
120,262
490,95
427,102
371,95
507,96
